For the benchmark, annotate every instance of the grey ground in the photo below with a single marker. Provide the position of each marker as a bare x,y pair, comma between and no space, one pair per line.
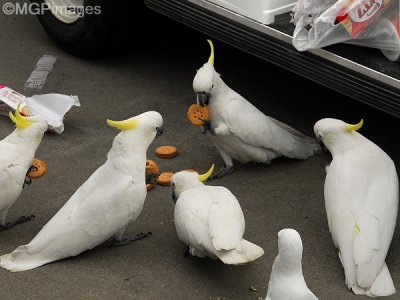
157,76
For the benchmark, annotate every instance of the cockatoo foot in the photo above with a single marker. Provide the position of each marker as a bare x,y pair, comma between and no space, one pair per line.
226,170
20,220
27,181
151,178
127,240
207,127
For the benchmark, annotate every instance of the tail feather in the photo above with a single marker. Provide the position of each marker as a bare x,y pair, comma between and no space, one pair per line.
244,253
288,128
383,284
20,260
357,289
309,146
304,146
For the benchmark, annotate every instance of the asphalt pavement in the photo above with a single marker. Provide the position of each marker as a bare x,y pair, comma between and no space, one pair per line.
157,75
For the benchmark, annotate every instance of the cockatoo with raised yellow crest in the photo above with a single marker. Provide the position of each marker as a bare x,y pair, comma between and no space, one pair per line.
239,130
17,152
210,221
103,206
361,201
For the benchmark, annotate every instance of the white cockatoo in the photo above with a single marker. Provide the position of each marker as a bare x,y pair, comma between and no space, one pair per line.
361,201
239,130
210,221
17,152
286,280
103,206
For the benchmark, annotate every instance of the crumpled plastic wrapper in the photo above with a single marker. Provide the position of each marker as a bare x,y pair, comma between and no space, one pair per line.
306,11
369,23
51,107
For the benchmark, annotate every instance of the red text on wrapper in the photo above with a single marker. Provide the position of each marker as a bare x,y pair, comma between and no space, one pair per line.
354,18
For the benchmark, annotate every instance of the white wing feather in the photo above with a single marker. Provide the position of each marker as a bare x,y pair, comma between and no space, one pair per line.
372,244
226,221
254,128
92,208
361,194
90,216
209,217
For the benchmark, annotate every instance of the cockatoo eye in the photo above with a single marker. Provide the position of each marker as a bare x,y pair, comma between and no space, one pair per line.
212,86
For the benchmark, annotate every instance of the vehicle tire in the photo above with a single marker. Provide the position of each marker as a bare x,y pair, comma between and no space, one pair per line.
92,34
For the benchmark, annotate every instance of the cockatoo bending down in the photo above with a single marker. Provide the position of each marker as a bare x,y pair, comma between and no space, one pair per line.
16,155
361,201
103,206
210,221
286,280
239,130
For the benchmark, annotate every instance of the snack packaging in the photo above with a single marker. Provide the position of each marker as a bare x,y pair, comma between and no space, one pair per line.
51,107
369,23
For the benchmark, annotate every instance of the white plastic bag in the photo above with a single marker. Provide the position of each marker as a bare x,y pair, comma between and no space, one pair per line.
369,23
51,107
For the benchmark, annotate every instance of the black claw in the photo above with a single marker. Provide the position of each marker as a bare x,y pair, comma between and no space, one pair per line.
33,168
207,126
31,217
223,172
127,240
207,123
27,181
151,178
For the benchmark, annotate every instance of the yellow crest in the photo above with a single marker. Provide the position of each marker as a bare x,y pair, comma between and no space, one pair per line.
19,120
205,176
351,127
123,125
211,59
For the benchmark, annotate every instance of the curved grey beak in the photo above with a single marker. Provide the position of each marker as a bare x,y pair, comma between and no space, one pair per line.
160,131
203,98
173,196
322,148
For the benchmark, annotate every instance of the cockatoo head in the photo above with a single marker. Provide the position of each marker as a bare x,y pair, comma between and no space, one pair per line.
186,180
33,126
290,245
335,133
138,130
206,79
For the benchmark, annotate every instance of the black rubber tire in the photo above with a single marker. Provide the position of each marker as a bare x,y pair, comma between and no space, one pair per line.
94,35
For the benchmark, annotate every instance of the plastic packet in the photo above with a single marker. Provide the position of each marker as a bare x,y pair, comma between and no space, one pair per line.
369,23
51,107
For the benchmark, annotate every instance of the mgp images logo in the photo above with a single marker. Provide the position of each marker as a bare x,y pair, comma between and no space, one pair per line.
10,8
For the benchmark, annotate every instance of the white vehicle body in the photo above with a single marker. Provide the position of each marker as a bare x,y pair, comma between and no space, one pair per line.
263,11
259,27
